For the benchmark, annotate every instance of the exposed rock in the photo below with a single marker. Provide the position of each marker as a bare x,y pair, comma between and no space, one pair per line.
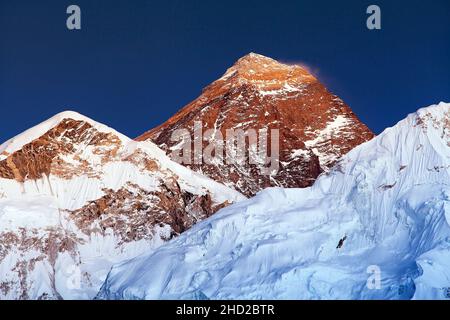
46,155
316,127
132,213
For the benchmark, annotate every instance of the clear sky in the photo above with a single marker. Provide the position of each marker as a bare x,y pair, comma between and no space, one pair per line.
135,63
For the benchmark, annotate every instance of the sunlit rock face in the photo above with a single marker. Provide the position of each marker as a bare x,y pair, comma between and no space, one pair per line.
315,127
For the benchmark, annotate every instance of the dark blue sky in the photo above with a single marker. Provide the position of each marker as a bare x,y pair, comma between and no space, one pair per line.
135,63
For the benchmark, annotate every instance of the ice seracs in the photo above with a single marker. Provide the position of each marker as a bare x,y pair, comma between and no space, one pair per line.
389,198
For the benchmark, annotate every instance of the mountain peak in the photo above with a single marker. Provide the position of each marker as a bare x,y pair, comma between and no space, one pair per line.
69,114
439,111
315,127
264,72
255,58
71,186
41,129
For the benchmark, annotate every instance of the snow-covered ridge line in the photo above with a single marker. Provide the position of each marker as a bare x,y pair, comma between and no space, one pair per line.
113,174
35,132
424,117
129,146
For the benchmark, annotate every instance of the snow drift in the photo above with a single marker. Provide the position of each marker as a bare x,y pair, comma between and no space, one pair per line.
385,204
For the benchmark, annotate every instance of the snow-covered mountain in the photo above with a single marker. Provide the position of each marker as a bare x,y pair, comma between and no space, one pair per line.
315,126
77,196
383,212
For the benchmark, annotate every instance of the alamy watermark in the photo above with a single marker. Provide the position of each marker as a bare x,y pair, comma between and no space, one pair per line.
240,147
73,21
374,280
374,20
73,277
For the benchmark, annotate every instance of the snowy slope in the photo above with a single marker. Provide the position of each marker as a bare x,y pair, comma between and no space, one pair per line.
388,200
77,196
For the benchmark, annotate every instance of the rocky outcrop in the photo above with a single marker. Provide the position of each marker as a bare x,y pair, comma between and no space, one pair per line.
132,213
48,154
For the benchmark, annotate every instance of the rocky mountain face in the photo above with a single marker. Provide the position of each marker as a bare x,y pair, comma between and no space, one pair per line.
77,196
315,127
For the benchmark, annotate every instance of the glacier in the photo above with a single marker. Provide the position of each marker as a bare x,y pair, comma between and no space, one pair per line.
386,205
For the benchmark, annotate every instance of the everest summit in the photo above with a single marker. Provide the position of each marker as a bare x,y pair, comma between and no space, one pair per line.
257,93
